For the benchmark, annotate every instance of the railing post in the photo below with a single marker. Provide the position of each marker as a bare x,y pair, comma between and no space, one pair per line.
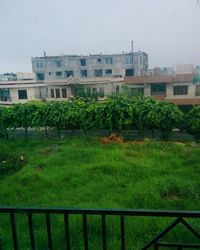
31,233
85,231
67,235
14,231
48,223
156,247
0,245
103,219
122,232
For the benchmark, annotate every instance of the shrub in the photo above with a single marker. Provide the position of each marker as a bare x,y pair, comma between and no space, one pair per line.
193,121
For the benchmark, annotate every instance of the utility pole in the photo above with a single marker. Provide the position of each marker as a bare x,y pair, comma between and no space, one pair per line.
132,56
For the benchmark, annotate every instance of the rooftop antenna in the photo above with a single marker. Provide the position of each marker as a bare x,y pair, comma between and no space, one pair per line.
132,46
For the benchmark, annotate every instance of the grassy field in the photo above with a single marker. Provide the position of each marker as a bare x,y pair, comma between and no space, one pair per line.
83,172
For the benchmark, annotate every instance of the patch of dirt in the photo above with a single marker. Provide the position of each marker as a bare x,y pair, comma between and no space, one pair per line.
113,138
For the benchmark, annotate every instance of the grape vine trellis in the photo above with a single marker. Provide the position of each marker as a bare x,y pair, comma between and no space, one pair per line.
114,113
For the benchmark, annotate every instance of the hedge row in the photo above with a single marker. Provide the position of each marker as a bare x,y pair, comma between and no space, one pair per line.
115,113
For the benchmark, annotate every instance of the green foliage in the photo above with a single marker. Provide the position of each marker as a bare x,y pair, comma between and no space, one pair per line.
78,91
117,112
193,121
81,172
154,114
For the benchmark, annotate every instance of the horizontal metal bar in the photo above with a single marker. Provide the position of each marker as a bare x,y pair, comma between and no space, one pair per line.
182,245
127,212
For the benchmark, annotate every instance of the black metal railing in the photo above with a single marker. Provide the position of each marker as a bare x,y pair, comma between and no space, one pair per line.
179,217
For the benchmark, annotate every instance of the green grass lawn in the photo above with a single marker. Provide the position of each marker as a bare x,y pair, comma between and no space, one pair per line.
84,173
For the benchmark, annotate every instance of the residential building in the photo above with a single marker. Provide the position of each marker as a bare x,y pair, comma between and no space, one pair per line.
19,91
115,65
178,89
8,77
184,69
60,89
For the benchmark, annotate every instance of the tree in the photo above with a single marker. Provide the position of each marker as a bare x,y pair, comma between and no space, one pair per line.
117,113
193,121
23,115
155,114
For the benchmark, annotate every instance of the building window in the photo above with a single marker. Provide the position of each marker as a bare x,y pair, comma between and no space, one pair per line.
83,62
197,90
57,93
117,89
129,72
22,94
88,91
39,65
52,93
59,73
108,72
108,60
83,73
64,93
5,95
129,60
99,60
69,73
98,72
58,64
40,76
158,89
180,90
101,92
94,90
137,91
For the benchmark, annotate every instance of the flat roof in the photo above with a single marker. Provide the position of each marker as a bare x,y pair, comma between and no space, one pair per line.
159,79
85,56
147,79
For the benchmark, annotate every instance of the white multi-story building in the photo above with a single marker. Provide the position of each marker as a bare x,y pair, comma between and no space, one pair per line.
115,65
60,89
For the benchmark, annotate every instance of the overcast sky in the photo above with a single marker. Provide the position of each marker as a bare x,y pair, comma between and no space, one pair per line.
168,30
